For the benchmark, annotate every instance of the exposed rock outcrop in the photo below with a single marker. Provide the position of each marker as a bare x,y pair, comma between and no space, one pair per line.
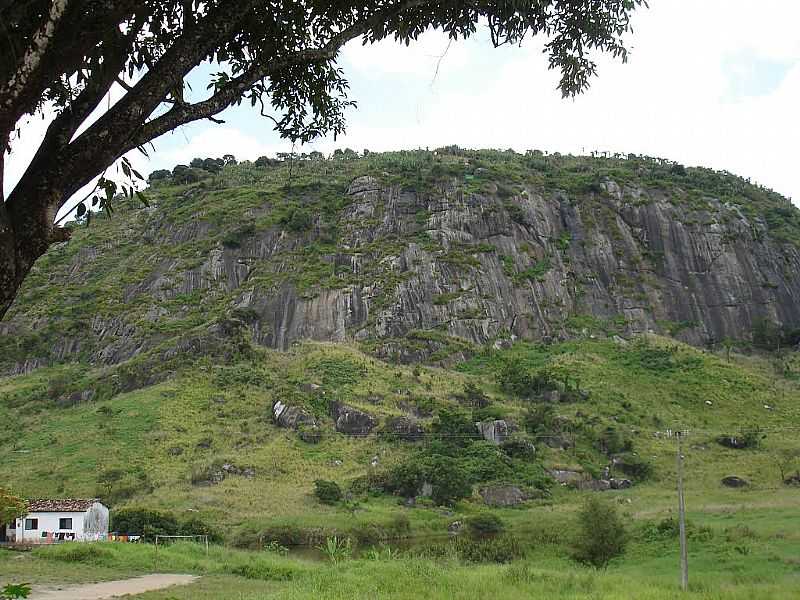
502,495
428,274
732,481
403,428
299,419
352,421
496,431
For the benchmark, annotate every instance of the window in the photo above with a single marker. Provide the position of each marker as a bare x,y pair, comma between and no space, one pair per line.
31,524
65,523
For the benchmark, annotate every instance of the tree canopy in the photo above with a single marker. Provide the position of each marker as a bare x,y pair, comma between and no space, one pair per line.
63,57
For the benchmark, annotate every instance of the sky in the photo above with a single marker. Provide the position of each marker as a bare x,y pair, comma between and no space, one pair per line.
712,83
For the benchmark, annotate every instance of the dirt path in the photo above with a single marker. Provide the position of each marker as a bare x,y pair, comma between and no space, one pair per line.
112,589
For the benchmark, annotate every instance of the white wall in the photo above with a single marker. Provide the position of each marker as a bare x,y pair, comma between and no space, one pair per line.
48,521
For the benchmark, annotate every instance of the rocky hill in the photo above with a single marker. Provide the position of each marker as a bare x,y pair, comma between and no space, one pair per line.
391,320
419,256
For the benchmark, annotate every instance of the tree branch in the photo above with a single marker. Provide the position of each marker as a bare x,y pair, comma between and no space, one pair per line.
235,88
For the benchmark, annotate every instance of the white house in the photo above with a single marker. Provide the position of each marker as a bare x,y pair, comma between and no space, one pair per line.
50,521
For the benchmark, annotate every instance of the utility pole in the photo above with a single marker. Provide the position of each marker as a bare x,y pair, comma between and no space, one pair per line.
682,516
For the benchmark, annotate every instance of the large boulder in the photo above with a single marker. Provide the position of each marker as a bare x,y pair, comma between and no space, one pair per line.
494,431
594,485
620,484
732,481
75,398
403,428
351,421
502,495
793,479
294,417
731,441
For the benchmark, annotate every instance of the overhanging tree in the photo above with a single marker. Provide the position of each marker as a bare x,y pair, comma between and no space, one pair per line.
62,58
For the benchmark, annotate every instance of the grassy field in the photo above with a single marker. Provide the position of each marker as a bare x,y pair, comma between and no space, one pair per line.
741,550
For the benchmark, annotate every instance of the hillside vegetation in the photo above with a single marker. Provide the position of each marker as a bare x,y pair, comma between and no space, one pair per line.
144,359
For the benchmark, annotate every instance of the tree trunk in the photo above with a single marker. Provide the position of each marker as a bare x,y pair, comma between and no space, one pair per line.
26,231
8,279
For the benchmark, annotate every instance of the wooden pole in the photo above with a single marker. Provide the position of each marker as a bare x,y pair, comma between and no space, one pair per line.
682,519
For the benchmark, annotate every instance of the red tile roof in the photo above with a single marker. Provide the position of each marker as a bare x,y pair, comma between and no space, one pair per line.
60,504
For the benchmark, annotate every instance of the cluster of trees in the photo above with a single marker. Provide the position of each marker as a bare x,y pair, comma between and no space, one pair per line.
150,523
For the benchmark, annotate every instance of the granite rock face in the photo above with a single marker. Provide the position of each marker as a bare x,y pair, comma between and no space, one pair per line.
439,265
502,495
351,421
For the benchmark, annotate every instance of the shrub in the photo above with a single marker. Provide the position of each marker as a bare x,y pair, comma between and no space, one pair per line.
448,479
285,535
485,524
611,441
634,466
473,396
601,535
368,534
406,479
515,379
539,419
454,427
327,492
519,446
144,522
488,413
298,219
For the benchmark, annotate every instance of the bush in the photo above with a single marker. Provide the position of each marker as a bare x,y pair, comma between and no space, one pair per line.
406,479
611,441
297,220
488,413
519,446
473,396
327,492
601,535
540,419
515,379
634,466
144,522
485,524
285,535
448,479
454,428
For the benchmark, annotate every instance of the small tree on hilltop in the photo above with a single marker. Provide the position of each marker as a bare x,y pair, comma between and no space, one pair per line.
602,535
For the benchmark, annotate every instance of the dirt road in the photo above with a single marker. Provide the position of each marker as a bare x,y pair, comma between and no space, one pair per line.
112,589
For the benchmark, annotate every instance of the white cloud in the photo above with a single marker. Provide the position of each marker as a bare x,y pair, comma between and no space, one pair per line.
214,141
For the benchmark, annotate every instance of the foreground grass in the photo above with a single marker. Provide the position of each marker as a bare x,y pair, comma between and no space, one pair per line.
647,571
